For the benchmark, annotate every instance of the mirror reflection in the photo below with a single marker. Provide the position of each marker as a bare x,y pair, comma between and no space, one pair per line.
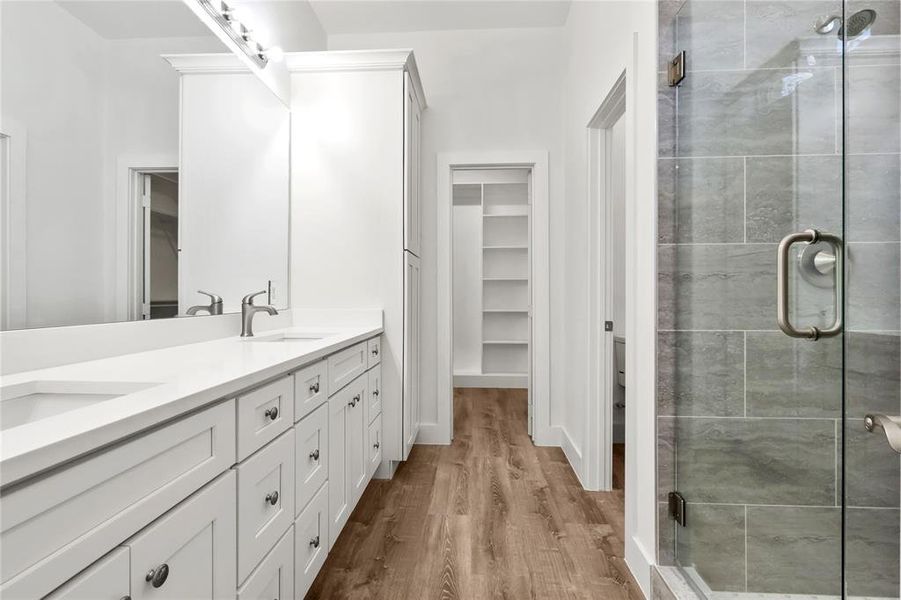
131,187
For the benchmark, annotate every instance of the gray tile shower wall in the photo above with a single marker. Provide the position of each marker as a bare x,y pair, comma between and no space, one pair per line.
750,422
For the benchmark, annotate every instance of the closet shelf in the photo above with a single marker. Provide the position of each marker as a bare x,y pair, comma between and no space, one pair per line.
505,278
506,247
506,215
505,310
506,342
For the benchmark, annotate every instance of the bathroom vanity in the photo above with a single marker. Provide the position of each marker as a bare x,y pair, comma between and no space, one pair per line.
220,469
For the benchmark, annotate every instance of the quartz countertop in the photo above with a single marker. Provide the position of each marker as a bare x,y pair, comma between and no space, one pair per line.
182,379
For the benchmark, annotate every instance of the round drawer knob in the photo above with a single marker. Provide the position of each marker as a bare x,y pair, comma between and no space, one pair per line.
376,445
315,542
272,498
375,392
314,389
126,597
375,351
314,455
157,577
272,413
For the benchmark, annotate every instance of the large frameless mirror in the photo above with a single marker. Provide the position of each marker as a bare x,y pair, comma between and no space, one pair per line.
129,190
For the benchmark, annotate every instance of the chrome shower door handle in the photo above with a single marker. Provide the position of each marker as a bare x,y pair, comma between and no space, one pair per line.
809,236
890,425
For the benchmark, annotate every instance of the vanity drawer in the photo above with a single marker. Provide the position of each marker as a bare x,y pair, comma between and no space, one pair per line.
263,414
345,366
374,352
311,536
374,404
311,458
107,579
61,523
374,447
310,388
274,578
265,501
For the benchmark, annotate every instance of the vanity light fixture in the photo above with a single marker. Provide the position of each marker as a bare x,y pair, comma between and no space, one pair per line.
227,18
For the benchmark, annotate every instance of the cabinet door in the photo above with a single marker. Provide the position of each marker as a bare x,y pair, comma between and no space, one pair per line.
356,443
412,310
311,457
106,579
190,551
374,405
311,533
374,446
339,498
274,578
412,137
265,501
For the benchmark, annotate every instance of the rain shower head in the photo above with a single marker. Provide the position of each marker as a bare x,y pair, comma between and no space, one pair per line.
857,23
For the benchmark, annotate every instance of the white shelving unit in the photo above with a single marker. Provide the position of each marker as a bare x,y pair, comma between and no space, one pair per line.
504,197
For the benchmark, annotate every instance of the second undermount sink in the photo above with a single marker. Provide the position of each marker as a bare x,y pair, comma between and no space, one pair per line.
291,336
29,402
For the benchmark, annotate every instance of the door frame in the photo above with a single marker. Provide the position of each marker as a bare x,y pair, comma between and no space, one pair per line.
598,463
441,432
14,219
129,217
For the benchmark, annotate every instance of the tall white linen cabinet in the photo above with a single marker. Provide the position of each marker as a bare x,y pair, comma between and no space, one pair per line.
355,210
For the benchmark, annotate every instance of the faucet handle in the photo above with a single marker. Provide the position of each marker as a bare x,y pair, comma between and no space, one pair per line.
214,299
248,299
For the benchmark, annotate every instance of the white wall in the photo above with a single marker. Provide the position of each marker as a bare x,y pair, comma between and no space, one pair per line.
599,46
467,302
486,90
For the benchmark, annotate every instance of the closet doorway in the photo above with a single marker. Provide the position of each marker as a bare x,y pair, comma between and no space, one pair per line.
493,286
491,279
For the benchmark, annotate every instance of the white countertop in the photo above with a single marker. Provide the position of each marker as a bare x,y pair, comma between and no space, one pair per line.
185,377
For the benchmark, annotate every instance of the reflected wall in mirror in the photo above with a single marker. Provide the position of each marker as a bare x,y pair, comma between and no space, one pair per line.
106,215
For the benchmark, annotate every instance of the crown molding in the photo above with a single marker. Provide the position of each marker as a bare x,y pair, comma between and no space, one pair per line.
400,59
207,63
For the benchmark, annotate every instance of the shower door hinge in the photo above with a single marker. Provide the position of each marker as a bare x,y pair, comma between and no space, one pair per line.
677,507
676,69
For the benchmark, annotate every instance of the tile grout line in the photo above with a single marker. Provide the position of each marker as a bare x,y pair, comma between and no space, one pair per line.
744,191
746,547
745,370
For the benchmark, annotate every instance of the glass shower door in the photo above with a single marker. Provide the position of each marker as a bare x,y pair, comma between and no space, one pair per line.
872,353
773,347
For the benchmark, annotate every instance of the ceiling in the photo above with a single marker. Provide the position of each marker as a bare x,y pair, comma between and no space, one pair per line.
124,19
384,16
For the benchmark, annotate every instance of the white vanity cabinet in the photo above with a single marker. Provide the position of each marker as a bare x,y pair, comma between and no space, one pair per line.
358,203
241,499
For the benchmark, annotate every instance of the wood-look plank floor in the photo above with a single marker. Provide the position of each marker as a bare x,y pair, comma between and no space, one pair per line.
490,516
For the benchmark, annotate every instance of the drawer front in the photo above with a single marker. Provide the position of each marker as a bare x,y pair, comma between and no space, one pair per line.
106,579
190,551
374,445
311,535
345,366
374,351
374,404
263,414
310,388
265,501
63,522
274,578
311,458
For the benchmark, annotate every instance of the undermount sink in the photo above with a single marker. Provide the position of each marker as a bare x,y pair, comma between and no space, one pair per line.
290,336
32,401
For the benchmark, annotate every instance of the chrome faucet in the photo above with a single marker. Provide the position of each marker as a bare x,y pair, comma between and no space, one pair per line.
248,310
214,307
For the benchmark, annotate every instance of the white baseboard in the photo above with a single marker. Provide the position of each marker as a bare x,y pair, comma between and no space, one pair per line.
573,454
431,434
639,561
481,380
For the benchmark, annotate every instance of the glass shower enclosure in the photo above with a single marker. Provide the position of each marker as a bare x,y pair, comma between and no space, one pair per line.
779,297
